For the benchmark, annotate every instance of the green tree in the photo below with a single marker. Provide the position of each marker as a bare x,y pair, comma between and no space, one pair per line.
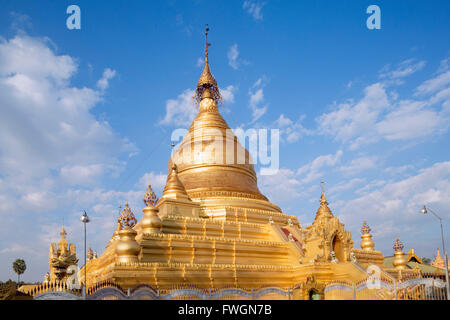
19,267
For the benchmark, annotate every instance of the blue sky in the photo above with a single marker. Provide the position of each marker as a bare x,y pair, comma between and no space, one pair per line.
87,114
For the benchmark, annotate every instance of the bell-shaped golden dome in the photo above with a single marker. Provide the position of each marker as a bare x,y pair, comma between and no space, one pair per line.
211,160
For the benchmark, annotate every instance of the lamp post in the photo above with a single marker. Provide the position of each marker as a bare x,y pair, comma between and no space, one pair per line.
425,210
85,219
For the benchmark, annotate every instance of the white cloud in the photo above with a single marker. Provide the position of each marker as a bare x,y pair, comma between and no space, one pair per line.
444,65
434,84
375,117
156,180
346,185
409,121
18,57
256,97
404,69
399,170
256,94
200,62
228,94
82,174
370,186
359,164
261,82
20,22
233,54
352,122
180,111
291,131
17,249
280,187
49,140
392,209
108,74
314,170
46,123
254,9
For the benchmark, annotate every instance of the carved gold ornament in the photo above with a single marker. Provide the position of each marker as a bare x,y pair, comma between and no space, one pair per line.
127,218
398,245
150,198
365,229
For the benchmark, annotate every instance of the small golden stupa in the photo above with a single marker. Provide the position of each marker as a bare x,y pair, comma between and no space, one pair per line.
438,261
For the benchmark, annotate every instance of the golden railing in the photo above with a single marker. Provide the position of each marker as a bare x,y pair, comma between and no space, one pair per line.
52,286
411,286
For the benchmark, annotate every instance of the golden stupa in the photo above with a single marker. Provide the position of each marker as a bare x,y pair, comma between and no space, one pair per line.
212,226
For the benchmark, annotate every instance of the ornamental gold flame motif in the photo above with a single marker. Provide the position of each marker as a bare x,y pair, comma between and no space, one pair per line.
127,218
150,198
365,229
398,245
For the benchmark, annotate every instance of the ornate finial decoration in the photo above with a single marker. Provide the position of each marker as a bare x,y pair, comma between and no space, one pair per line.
90,254
63,232
127,218
323,199
207,84
322,186
398,245
365,229
206,42
150,198
367,243
323,212
399,257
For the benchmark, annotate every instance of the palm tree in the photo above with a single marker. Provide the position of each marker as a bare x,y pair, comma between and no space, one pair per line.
19,267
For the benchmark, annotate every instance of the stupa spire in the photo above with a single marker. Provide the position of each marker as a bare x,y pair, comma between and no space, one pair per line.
62,243
399,257
63,232
438,262
323,211
207,85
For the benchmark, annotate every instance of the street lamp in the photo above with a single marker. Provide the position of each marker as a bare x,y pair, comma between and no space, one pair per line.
425,211
85,219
